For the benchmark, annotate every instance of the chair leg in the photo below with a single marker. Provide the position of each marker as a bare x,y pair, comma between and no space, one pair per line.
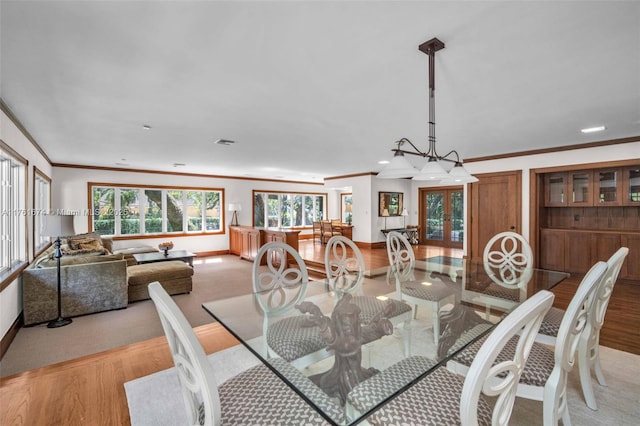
597,367
436,324
406,335
585,363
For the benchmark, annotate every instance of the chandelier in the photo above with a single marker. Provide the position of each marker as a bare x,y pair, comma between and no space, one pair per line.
433,171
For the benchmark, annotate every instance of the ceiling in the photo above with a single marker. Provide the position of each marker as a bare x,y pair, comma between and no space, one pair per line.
310,90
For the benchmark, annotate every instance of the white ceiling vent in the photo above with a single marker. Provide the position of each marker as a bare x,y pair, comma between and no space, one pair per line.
225,142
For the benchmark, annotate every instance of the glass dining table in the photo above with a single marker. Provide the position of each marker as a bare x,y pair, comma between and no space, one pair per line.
367,364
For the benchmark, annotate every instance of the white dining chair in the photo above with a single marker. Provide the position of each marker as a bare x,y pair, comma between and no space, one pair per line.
278,288
255,396
589,346
545,375
433,294
508,262
441,397
344,267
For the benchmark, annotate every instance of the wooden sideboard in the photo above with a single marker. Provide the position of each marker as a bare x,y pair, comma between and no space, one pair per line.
245,241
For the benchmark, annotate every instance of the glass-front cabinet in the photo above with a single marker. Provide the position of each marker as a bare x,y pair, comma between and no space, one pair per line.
556,189
608,188
631,186
580,188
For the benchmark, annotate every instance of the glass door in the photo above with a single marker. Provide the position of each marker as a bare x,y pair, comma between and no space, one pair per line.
442,217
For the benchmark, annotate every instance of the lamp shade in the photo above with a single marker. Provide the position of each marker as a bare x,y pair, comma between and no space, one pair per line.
385,213
404,212
399,167
235,207
432,171
58,225
461,175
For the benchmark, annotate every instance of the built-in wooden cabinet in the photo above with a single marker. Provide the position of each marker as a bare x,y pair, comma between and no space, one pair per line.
245,241
576,251
588,214
618,186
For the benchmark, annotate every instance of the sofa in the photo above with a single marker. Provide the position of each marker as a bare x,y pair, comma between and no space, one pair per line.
94,278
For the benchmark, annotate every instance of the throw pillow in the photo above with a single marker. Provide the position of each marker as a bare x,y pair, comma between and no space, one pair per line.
85,244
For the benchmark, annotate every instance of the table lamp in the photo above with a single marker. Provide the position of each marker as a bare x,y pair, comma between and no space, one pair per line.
385,214
235,208
404,215
56,226
348,210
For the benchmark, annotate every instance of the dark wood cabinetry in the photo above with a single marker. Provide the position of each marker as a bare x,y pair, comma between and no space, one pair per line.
245,241
586,215
576,251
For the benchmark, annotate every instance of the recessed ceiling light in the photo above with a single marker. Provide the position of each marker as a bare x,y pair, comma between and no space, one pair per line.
225,142
146,127
593,129
383,162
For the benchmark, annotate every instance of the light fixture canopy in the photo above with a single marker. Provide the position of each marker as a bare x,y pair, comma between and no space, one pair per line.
432,171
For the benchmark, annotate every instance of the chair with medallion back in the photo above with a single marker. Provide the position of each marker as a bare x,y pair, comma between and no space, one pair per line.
588,348
545,376
278,288
441,397
255,396
433,294
508,261
345,271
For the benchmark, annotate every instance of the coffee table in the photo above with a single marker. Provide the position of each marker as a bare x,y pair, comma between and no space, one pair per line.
183,255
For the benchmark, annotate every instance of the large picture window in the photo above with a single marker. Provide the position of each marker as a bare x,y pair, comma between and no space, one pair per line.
287,210
119,210
13,229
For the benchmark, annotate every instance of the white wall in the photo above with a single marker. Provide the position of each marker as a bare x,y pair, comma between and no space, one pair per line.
70,191
11,296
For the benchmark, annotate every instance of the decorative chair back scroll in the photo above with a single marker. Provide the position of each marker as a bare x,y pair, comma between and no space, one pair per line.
344,266
278,289
511,265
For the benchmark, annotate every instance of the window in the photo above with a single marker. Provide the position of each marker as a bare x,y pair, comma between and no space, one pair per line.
13,229
287,210
346,203
120,210
41,204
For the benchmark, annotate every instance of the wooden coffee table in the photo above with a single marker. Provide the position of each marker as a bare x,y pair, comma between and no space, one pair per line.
183,255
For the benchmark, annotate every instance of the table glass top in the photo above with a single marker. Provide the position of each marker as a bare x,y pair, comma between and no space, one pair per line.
349,354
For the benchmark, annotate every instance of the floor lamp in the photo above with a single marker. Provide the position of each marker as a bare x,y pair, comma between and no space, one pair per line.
56,226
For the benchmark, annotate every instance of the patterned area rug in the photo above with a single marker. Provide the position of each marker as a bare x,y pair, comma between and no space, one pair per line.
156,399
444,260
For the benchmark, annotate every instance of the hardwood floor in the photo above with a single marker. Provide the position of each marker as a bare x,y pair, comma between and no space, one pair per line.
90,390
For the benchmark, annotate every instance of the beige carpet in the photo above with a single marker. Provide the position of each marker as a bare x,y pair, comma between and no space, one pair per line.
215,278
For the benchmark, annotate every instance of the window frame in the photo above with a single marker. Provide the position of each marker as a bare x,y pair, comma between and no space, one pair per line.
41,204
165,189
13,219
292,196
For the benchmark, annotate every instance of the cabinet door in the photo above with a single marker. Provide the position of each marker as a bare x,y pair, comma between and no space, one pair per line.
555,189
607,185
235,241
577,255
631,267
603,246
552,249
580,188
631,186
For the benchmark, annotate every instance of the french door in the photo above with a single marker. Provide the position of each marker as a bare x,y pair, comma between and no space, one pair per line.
442,216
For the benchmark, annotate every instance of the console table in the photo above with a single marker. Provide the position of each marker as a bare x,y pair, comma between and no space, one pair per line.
412,234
